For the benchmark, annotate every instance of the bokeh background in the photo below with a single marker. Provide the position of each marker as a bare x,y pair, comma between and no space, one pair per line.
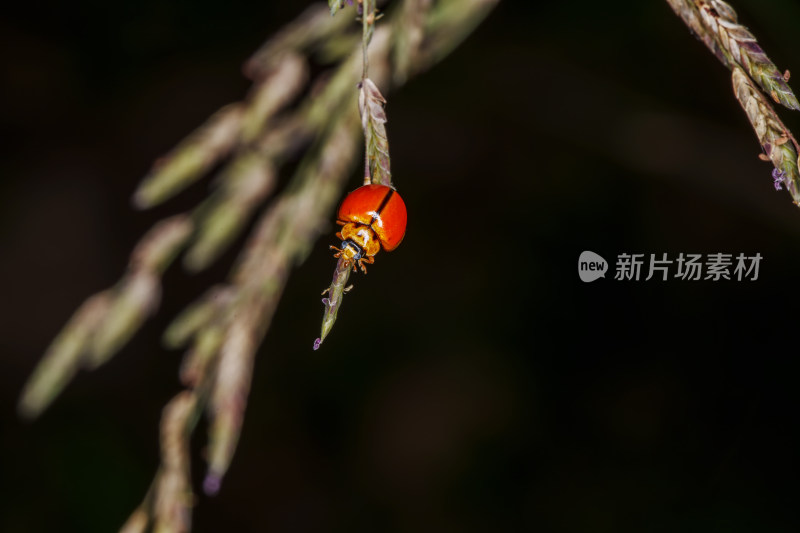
472,382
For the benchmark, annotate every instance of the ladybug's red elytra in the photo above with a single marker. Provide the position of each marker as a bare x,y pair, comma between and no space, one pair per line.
373,217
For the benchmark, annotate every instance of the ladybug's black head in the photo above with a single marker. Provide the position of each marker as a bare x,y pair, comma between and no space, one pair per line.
352,250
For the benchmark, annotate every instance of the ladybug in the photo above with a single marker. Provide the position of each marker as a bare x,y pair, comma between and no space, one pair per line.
374,217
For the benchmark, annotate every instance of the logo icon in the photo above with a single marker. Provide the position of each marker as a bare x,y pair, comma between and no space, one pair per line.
591,266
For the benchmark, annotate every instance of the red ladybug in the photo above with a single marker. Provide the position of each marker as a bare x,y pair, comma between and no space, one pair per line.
374,217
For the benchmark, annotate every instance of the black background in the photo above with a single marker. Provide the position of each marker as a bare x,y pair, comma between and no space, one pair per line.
472,382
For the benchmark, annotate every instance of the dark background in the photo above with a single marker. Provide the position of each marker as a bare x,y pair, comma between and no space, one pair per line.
472,382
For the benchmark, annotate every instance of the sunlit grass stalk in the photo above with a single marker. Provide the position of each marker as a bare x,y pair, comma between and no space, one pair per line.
715,23
779,145
687,10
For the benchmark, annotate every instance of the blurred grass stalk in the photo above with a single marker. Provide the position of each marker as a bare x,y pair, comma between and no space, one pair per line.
249,142
756,81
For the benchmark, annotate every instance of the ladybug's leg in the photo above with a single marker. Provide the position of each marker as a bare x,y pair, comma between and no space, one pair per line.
369,259
341,222
338,253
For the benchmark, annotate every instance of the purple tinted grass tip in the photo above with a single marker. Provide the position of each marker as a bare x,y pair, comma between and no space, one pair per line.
211,484
778,176
317,344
